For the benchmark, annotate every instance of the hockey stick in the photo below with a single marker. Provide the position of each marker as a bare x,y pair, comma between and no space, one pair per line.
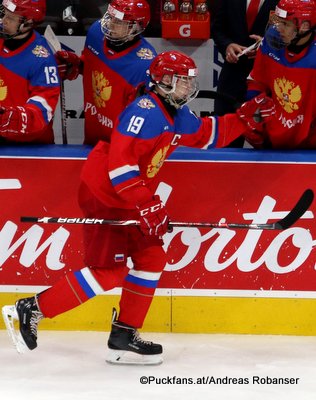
294,215
56,46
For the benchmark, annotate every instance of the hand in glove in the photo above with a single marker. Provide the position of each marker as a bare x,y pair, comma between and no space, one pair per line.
153,217
13,120
69,65
254,114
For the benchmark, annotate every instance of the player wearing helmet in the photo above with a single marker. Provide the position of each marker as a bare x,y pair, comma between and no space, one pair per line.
124,20
20,16
28,64
113,63
285,69
178,82
118,182
293,23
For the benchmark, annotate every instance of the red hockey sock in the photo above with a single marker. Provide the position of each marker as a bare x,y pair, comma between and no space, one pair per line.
140,284
63,296
78,287
134,307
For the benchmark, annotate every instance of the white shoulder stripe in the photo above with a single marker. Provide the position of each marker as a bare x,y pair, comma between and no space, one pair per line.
43,102
212,137
123,170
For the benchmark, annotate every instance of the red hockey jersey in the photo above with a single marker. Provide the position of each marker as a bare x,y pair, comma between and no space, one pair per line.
29,78
110,81
291,81
122,174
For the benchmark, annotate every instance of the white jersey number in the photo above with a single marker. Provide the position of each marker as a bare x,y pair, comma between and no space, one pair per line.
51,75
135,124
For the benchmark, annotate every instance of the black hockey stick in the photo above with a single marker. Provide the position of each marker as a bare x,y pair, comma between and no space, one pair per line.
63,113
295,214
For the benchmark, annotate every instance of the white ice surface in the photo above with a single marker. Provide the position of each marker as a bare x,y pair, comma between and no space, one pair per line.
71,366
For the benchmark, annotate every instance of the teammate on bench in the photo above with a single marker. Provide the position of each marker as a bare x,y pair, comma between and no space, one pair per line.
285,70
29,78
113,64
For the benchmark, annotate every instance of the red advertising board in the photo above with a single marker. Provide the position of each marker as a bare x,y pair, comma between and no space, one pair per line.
241,186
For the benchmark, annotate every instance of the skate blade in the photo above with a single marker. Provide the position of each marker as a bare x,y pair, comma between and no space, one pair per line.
10,315
130,358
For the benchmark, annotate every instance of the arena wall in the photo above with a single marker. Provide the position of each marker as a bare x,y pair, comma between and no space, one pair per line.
216,280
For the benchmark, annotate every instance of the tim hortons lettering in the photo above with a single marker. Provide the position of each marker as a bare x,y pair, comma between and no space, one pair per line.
299,238
30,244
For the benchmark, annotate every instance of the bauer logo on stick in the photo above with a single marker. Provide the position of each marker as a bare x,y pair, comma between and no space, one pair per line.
293,216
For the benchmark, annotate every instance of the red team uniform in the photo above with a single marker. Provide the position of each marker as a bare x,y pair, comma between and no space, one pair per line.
110,81
122,175
285,69
29,78
116,178
117,182
288,78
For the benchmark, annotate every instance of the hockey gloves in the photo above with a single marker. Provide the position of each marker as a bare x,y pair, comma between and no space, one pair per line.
69,65
254,114
153,217
13,120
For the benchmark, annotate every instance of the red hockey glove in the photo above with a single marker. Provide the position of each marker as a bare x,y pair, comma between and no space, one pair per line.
13,120
69,64
255,113
153,217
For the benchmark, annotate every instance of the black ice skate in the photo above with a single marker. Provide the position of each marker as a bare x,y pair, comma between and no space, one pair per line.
28,315
126,346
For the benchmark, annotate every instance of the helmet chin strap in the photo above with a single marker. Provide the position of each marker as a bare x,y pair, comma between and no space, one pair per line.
172,101
299,36
24,24
297,48
117,43
160,89
169,93
133,31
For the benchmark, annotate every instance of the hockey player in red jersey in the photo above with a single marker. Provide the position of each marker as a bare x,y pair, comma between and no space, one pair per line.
285,69
113,63
117,182
29,81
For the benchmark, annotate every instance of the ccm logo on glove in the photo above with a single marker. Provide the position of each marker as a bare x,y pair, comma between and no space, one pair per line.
153,217
13,120
23,119
151,209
